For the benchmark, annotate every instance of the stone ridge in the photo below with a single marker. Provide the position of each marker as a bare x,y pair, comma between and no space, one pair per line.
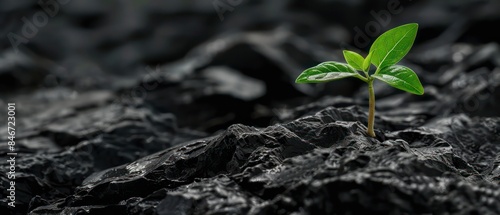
319,163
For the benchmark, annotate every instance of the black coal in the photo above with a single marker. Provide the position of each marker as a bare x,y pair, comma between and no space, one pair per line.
219,127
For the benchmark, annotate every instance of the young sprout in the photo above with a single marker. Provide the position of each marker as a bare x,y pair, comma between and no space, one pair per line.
387,50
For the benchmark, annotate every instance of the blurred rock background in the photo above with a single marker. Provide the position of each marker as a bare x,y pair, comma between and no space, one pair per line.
53,51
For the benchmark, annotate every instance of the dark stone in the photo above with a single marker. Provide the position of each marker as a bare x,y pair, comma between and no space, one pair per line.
118,134
172,107
319,163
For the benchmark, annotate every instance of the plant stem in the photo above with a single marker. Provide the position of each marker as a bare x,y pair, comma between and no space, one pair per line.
371,111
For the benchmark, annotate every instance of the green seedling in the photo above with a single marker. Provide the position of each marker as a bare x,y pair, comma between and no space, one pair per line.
387,50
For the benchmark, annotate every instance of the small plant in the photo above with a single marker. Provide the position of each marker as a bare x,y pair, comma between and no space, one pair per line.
387,50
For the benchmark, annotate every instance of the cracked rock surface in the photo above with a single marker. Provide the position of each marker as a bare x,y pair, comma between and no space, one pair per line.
165,110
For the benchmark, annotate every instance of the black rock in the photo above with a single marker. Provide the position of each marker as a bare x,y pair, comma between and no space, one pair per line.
60,153
179,107
319,163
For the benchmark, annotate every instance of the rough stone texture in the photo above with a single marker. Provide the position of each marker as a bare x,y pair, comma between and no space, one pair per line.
322,163
49,167
159,107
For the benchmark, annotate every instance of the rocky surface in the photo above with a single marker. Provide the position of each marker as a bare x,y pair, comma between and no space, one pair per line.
149,107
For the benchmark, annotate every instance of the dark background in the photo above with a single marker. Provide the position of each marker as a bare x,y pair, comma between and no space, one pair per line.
110,46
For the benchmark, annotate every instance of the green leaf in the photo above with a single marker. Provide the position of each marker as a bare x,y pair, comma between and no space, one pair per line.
328,71
401,77
354,59
390,47
367,62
